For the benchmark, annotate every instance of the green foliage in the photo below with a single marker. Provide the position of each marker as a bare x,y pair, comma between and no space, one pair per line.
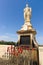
7,43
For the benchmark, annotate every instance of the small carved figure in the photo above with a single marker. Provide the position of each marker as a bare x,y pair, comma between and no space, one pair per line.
27,13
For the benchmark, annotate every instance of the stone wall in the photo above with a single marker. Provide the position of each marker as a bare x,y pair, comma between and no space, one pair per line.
3,51
41,54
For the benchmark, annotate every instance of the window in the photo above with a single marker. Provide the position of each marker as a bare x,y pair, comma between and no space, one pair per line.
25,40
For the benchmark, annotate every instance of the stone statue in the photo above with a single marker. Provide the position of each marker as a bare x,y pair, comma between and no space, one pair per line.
27,13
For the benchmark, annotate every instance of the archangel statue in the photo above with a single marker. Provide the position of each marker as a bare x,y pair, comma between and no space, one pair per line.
27,13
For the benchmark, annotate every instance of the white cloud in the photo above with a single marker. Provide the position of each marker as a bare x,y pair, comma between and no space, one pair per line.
40,39
9,37
3,37
10,34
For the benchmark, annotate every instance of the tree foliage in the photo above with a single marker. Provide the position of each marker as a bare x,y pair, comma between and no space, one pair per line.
7,43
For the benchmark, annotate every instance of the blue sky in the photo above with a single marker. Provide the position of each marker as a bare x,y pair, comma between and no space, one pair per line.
11,18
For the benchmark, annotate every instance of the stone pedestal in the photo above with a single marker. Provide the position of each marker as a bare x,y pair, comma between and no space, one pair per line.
27,41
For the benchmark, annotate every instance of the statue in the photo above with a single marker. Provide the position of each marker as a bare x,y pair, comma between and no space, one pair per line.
27,14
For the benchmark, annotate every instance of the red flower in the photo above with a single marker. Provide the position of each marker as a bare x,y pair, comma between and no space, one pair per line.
28,49
32,48
20,50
